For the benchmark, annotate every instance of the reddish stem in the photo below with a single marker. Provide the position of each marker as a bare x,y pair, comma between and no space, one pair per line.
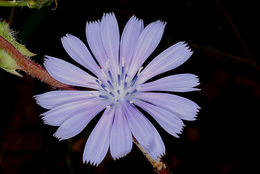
30,67
159,166
238,35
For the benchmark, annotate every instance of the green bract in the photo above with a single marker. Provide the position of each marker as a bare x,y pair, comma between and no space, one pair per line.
6,61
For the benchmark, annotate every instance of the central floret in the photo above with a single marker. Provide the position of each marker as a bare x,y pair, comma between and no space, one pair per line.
117,87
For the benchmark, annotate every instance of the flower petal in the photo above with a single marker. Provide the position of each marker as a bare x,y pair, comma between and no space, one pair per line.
110,38
130,35
138,124
169,59
68,73
98,142
182,107
52,99
168,120
79,52
174,83
156,149
95,42
57,115
77,119
121,138
146,44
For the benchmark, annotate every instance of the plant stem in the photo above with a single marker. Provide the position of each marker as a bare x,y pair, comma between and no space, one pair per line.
14,4
158,165
30,67
238,35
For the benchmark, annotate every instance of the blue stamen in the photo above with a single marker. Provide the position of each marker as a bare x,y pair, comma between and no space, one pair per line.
111,93
125,85
118,91
103,96
110,84
134,91
118,78
110,75
103,86
122,72
134,80
127,94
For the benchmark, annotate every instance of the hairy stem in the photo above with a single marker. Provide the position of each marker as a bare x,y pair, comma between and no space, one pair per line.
158,165
30,67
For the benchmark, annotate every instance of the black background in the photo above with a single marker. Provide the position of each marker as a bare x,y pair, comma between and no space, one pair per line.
222,139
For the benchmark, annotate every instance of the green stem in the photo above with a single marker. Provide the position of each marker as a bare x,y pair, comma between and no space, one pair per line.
14,4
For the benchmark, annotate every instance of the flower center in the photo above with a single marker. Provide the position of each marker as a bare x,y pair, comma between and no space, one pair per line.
119,88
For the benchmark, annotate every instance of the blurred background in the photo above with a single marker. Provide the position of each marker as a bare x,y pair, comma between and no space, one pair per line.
224,37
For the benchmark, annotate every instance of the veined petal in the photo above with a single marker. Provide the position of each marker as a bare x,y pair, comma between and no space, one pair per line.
69,74
174,83
130,35
156,149
169,59
146,44
52,99
168,120
95,42
121,138
182,107
57,115
98,142
78,120
138,124
110,38
79,52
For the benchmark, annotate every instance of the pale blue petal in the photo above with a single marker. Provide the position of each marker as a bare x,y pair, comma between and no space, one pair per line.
174,83
139,125
95,42
130,35
182,107
79,52
77,119
69,74
169,59
53,99
57,115
121,138
98,142
110,38
168,120
146,44
156,149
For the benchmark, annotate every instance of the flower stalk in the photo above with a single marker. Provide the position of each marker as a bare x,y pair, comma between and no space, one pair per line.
158,165
30,67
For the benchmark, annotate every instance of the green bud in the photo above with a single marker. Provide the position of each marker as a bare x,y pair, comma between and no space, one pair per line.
6,61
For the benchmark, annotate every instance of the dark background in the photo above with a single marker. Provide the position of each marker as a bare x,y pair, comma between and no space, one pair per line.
222,139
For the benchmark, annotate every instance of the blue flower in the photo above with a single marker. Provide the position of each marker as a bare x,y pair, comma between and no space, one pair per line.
118,85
